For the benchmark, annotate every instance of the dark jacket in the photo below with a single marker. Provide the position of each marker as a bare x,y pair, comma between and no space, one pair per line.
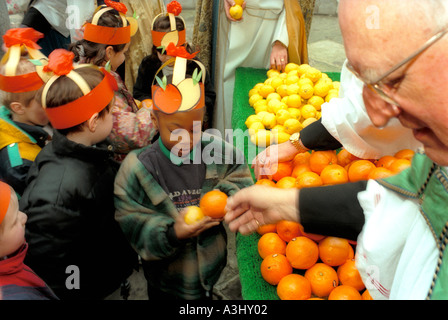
71,230
145,77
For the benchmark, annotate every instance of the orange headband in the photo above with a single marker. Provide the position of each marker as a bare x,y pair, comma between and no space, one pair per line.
23,83
5,199
162,39
93,101
158,37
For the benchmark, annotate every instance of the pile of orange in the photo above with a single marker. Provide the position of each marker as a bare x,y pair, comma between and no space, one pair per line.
318,168
306,266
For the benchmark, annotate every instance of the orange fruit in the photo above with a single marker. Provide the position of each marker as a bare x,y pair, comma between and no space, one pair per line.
379,173
213,204
286,183
399,165
348,274
299,169
288,230
320,159
334,251
282,169
302,252
294,287
407,154
359,170
301,158
334,174
323,279
265,228
351,255
308,179
385,161
270,243
265,182
366,295
344,157
193,215
344,292
274,267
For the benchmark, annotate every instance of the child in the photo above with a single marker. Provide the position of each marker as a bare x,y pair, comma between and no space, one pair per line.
168,27
17,281
75,244
156,183
106,40
22,118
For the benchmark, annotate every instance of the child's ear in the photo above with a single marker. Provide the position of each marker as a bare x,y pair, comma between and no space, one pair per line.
109,52
17,108
154,120
92,122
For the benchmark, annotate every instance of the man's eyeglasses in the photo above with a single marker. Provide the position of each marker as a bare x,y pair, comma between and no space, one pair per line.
379,86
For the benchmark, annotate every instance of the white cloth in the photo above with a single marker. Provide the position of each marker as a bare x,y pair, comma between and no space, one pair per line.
346,119
396,253
245,43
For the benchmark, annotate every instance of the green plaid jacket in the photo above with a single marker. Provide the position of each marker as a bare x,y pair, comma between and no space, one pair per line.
145,213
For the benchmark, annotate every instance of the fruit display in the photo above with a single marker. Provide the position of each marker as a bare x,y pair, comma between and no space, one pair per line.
236,11
288,101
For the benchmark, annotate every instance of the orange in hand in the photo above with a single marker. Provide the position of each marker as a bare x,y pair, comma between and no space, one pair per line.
287,230
302,253
213,204
269,244
274,267
294,287
323,279
266,228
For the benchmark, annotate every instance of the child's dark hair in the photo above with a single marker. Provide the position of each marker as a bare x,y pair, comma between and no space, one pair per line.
65,90
95,53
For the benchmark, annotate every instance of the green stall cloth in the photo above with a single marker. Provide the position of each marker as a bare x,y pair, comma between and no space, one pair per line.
253,286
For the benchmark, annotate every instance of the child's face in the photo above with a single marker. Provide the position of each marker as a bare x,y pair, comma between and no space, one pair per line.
34,114
117,58
180,131
164,58
12,234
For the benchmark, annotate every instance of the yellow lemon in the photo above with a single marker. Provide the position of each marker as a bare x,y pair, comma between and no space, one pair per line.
193,215
294,101
306,91
252,119
321,88
295,113
313,74
291,79
283,75
254,127
261,107
319,115
282,90
272,73
308,121
252,92
254,98
236,12
272,105
304,80
285,100
261,114
278,128
273,95
260,102
329,97
239,2
276,82
281,137
291,66
308,111
258,85
292,89
282,115
281,106
269,120
303,68
316,102
336,85
292,126
262,138
265,90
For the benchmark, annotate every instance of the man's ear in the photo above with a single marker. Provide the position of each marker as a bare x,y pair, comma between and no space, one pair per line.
17,108
92,122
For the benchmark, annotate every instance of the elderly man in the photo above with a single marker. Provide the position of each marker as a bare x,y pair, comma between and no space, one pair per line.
400,222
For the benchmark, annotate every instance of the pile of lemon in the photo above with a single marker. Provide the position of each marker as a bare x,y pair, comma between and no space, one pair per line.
286,102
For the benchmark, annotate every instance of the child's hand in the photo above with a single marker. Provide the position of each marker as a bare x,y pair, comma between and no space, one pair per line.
184,230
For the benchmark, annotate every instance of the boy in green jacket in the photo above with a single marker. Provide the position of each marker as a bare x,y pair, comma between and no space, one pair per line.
155,184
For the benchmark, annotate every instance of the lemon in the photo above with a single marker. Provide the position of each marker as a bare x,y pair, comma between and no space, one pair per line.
252,119
329,97
281,106
282,90
194,214
269,121
272,105
276,82
291,66
285,100
273,95
254,98
336,85
281,137
305,80
254,127
319,115
291,79
282,115
292,89
303,68
283,75
313,74
306,91
262,138
239,2
308,111
252,92
265,90
236,12
316,102
308,121
295,113
278,128
261,114
294,73
258,85
292,126
272,73
260,107
294,101
321,88
260,102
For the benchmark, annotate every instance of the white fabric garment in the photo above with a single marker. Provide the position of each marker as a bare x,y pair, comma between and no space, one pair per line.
245,43
346,119
396,253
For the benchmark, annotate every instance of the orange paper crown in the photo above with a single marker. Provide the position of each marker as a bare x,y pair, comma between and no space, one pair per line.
109,35
5,198
93,101
162,39
182,94
16,40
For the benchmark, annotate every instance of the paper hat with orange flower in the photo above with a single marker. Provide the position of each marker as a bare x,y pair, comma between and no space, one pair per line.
5,199
162,39
17,40
182,94
110,35
93,101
